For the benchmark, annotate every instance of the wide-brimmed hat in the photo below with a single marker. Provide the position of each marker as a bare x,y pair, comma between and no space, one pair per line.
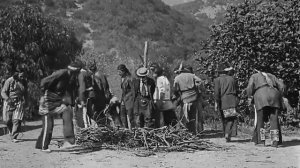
224,67
228,68
141,72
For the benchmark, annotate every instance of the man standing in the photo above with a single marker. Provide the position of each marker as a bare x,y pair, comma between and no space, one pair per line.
162,98
128,97
144,104
266,91
58,90
226,100
14,93
185,88
85,94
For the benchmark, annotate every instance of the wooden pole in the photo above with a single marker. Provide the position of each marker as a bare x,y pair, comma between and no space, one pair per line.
145,54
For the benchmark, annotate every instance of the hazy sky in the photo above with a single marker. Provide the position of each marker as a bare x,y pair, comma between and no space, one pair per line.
175,2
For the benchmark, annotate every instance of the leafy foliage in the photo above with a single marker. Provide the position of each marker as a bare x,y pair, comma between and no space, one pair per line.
261,35
39,43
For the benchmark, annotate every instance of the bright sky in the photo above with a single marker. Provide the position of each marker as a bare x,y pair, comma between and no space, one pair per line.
176,2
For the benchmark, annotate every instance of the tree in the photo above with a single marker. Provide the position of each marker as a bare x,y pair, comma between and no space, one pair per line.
258,34
41,43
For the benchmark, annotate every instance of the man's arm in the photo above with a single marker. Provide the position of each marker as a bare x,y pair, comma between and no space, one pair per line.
47,81
5,90
82,88
217,93
250,90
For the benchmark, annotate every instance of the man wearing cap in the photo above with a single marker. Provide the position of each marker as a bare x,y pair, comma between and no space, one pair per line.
144,104
266,91
226,100
14,93
58,90
127,98
185,88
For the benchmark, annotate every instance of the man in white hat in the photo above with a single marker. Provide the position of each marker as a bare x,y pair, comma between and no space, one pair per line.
144,104
225,91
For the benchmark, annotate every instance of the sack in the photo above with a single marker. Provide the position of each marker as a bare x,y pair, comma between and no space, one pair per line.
230,113
164,105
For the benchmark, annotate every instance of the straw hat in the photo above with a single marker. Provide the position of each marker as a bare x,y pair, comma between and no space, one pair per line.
141,72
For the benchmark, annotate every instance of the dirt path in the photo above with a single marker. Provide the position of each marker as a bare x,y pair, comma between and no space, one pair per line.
240,153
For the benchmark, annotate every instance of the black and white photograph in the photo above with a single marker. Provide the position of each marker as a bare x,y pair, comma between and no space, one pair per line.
150,83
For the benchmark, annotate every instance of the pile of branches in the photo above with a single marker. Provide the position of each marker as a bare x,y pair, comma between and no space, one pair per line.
161,139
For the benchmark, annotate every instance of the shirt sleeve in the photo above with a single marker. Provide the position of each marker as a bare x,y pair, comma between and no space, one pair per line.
176,88
5,89
198,81
82,87
250,88
217,91
47,81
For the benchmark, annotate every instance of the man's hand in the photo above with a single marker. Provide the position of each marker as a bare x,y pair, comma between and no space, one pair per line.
249,101
216,107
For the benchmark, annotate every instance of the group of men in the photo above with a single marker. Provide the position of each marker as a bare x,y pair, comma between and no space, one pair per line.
147,101
81,94
265,93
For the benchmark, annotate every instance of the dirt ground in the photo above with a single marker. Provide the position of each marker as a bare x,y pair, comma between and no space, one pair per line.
240,153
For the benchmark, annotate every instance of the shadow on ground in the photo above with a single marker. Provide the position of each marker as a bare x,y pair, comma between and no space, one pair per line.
294,142
211,134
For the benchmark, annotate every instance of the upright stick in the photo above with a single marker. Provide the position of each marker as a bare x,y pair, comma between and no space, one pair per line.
145,54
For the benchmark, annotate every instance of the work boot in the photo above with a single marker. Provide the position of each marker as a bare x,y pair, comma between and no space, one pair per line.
274,137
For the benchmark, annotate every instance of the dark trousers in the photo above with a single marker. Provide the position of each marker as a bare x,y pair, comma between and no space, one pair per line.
229,126
48,123
124,112
169,118
13,125
263,115
145,112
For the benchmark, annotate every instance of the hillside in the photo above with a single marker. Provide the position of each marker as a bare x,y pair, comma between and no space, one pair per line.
114,31
206,11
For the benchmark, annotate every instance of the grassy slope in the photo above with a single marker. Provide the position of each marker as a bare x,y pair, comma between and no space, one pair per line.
210,11
120,27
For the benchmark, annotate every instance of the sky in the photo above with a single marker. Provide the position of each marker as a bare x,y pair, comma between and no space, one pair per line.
176,2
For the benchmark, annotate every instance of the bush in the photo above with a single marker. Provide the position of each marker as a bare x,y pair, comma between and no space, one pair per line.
40,43
258,34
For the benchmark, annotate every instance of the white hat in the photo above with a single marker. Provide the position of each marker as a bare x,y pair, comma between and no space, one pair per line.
141,72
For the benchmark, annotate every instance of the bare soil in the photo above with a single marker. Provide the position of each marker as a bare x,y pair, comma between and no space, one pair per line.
240,153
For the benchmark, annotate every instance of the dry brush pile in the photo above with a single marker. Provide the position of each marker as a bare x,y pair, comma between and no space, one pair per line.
161,139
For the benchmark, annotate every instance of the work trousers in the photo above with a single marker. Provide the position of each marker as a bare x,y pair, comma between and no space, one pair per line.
194,118
127,117
144,112
13,125
263,115
48,123
229,126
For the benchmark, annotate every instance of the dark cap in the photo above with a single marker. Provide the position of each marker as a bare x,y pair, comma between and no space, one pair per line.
122,67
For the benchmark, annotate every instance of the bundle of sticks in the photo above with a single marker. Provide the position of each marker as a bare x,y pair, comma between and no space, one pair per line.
160,139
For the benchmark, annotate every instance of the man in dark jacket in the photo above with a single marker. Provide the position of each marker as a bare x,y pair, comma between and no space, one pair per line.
57,96
266,90
226,100
128,97
144,103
